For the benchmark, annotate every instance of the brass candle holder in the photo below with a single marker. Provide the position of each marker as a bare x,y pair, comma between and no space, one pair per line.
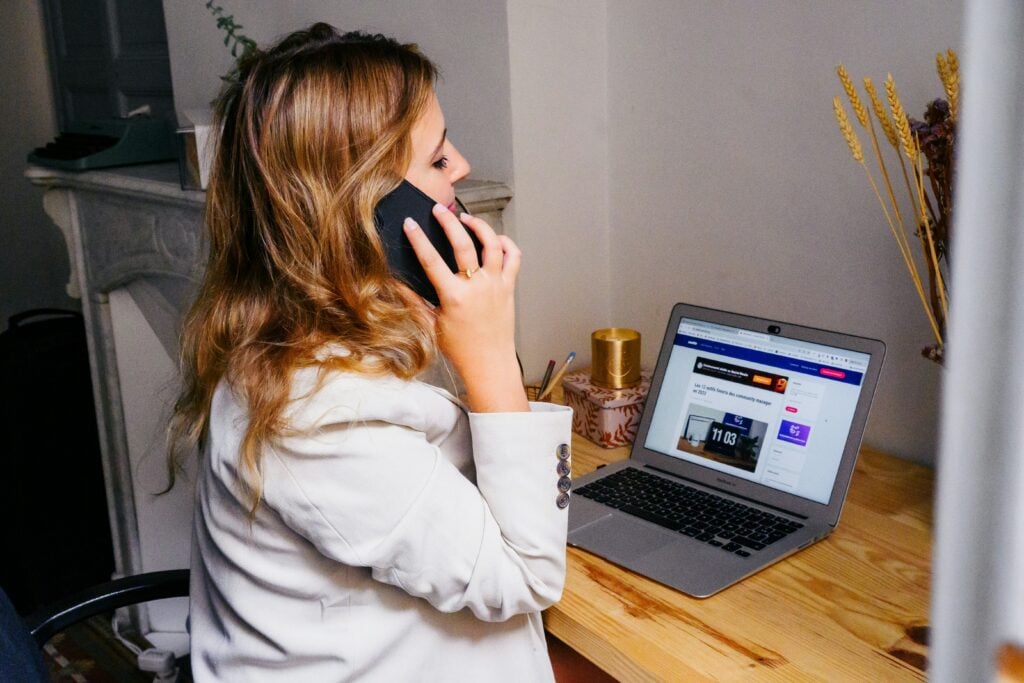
615,358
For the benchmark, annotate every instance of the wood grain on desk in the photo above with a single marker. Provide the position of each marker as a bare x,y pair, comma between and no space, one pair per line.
853,607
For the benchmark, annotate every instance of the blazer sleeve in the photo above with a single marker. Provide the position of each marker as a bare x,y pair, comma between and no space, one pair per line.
364,484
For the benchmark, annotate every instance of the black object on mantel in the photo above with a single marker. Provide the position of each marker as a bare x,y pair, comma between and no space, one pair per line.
109,142
55,535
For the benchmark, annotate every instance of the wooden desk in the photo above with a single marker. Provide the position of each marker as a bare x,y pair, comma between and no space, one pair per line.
853,607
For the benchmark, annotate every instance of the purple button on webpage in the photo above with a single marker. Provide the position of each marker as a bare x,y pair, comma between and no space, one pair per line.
791,432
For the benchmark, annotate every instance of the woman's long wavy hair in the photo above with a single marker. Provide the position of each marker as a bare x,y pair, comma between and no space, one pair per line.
315,131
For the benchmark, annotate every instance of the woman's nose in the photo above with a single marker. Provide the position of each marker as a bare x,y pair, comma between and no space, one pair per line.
458,166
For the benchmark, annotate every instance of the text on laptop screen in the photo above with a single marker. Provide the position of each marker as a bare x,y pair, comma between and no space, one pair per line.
758,406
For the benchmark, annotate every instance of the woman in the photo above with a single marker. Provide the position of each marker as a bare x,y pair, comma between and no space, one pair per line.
354,521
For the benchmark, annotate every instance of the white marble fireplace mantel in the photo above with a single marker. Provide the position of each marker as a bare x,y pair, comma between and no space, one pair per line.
135,246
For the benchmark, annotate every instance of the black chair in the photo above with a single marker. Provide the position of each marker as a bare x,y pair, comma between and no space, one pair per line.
21,640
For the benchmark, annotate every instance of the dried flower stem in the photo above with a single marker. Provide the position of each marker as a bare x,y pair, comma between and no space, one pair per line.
930,227
948,66
908,258
900,118
940,283
898,233
899,229
910,148
847,130
866,123
942,66
883,117
890,132
851,94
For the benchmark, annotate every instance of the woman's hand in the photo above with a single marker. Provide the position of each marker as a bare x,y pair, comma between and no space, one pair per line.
476,318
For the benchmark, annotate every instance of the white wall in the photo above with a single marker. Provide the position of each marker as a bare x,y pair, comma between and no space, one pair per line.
558,56
731,186
33,259
468,39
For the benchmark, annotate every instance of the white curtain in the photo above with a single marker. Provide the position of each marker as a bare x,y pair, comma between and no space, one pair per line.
978,588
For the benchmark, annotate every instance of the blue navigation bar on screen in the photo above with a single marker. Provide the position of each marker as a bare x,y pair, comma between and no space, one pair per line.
773,359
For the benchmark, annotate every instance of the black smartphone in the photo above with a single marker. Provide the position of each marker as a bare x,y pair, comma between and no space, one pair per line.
407,201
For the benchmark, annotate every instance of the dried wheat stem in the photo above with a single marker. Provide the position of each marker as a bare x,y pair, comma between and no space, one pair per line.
875,138
906,182
953,88
942,66
851,94
847,130
950,79
898,234
896,131
953,60
853,142
910,148
885,174
932,253
899,115
890,134
880,113
908,259
888,127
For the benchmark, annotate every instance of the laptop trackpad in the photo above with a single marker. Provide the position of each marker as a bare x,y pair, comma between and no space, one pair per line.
620,538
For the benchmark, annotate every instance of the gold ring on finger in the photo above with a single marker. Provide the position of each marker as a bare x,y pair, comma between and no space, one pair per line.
469,272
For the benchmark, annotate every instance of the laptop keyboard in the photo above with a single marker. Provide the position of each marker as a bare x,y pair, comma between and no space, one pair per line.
721,522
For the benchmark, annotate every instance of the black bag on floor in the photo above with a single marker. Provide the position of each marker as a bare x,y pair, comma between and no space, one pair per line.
54,528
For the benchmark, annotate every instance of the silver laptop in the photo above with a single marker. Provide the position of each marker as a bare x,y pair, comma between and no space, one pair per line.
743,455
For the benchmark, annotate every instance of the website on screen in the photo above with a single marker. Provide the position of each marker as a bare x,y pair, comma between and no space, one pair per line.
758,406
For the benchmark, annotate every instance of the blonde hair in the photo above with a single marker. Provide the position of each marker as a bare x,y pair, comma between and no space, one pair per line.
315,131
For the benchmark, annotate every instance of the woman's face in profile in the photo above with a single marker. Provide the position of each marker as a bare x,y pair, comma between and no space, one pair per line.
436,165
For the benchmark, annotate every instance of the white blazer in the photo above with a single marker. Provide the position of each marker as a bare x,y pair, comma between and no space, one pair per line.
399,538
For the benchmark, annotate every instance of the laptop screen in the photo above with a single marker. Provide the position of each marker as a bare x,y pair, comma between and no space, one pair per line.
761,407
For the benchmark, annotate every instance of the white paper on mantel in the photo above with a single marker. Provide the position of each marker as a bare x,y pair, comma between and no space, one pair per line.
202,123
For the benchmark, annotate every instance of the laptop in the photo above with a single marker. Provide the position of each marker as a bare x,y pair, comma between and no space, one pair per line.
743,454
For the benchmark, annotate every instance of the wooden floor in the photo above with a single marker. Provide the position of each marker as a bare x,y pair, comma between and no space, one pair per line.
89,651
